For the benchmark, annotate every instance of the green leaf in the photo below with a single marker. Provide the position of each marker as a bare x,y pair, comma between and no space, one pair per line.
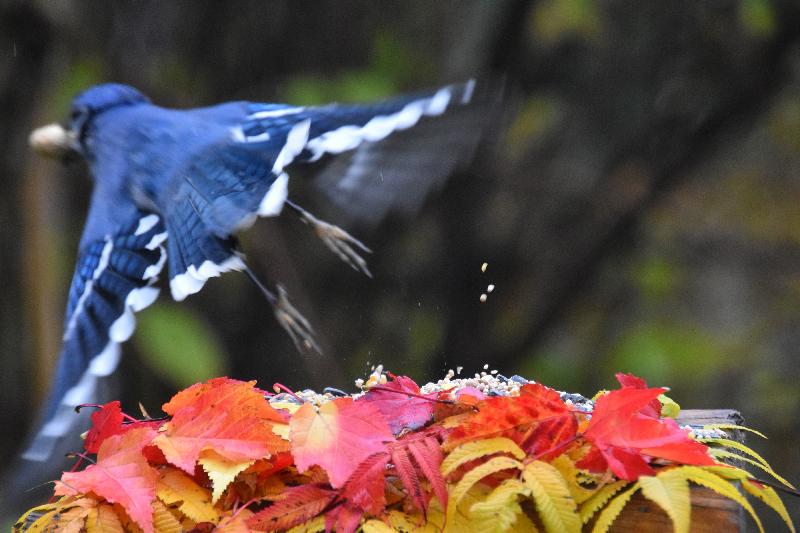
476,449
671,493
178,346
550,492
612,510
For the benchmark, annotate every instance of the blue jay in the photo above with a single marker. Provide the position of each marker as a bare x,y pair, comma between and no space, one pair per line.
173,187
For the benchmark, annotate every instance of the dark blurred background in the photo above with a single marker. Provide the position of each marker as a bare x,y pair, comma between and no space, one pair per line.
640,212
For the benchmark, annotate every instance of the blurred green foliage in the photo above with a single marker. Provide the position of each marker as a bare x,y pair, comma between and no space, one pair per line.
758,17
179,346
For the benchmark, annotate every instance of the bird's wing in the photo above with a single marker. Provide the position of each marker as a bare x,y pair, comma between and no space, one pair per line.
242,174
120,257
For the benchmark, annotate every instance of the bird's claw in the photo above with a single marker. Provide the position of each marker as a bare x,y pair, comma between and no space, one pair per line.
340,242
295,324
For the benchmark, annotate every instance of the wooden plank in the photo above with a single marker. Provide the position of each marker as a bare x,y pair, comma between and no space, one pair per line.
711,513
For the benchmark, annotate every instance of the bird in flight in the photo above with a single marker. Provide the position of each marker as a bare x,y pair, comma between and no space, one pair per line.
172,188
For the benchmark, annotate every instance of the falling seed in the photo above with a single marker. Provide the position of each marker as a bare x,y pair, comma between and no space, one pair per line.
486,366
490,288
459,369
484,266
483,298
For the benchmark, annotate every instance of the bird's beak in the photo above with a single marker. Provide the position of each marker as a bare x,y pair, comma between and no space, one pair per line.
53,141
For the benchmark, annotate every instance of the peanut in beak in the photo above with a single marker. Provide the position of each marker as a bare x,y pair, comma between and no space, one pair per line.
52,141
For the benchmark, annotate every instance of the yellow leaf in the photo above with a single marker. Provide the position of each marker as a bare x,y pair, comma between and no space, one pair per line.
599,499
163,521
671,492
493,465
500,510
236,523
281,430
376,526
68,513
704,477
71,521
550,492
174,486
669,407
103,519
221,471
570,473
612,510
315,525
727,443
736,427
460,520
719,453
770,497
469,451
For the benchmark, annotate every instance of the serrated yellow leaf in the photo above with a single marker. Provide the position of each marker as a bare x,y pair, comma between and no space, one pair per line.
221,471
315,525
550,493
499,511
469,451
72,520
736,427
770,497
612,510
493,465
599,499
710,480
376,526
195,502
103,519
727,443
163,521
671,492
571,474
401,521
719,453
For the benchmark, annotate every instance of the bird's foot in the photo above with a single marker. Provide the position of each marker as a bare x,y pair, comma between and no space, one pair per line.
344,245
295,324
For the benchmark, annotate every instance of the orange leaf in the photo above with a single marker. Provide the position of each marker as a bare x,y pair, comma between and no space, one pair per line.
229,417
337,436
121,475
537,420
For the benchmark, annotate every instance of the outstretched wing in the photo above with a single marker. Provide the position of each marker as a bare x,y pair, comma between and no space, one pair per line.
242,175
120,257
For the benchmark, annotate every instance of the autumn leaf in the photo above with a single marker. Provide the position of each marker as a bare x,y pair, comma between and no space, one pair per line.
176,488
537,420
338,436
231,418
221,471
121,475
364,488
109,420
296,506
626,435
400,405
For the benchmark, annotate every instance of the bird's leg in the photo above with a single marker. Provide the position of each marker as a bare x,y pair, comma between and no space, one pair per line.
338,240
295,324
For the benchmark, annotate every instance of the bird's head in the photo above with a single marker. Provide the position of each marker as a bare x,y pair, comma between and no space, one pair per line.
54,140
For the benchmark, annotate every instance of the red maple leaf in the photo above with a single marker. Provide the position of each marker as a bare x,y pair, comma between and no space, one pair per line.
338,436
295,506
121,475
427,459
364,489
400,404
626,435
537,420
629,381
227,416
109,420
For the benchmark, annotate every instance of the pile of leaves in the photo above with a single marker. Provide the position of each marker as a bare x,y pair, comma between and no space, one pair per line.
229,457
